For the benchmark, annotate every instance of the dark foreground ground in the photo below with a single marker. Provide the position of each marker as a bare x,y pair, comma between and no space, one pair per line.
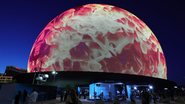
178,100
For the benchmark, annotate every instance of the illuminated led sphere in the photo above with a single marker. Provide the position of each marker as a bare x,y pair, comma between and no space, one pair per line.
98,38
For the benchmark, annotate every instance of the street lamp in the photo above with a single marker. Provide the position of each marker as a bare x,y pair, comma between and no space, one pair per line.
42,78
135,88
54,73
175,87
46,76
39,78
35,71
150,87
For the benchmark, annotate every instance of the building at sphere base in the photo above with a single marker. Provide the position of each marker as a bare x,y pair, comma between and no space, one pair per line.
84,81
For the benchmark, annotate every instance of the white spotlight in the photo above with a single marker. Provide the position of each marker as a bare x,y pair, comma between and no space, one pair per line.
40,78
175,87
135,88
54,72
150,87
46,76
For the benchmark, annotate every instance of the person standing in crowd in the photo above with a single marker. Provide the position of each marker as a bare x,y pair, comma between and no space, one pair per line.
145,97
71,97
74,96
68,97
101,96
95,94
110,96
17,98
61,96
85,94
132,98
25,93
154,98
33,97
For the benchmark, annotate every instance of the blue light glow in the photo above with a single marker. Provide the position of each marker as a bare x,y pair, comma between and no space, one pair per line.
128,90
108,90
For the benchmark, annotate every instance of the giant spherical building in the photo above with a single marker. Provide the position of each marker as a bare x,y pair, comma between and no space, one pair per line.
98,38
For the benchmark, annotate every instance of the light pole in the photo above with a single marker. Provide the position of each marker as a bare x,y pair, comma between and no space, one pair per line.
35,71
54,73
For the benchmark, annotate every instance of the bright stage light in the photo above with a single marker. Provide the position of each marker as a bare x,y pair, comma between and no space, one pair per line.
46,76
150,87
135,88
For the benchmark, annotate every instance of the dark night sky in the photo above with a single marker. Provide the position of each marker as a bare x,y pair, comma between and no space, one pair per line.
21,21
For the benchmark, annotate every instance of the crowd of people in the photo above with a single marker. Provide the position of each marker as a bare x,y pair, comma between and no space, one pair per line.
25,98
146,97
70,97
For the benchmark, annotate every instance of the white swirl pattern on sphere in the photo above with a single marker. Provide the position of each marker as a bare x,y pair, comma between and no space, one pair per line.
98,38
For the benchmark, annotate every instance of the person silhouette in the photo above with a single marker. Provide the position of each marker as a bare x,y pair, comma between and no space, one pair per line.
25,94
132,98
33,97
61,96
17,98
145,97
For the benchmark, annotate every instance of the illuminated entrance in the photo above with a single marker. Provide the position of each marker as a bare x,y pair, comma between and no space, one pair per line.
107,91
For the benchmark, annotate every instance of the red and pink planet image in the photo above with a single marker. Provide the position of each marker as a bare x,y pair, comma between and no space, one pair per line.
98,38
